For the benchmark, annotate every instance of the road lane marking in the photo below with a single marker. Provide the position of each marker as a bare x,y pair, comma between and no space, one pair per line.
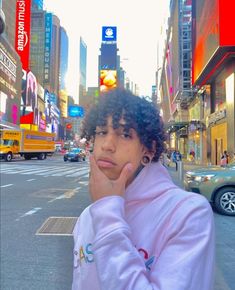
32,211
67,194
79,173
31,179
10,184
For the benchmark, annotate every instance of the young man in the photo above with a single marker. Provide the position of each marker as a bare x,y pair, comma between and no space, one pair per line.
141,231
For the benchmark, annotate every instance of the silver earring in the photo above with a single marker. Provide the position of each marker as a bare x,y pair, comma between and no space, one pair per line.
145,160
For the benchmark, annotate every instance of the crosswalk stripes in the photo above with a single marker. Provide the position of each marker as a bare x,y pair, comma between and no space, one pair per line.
46,170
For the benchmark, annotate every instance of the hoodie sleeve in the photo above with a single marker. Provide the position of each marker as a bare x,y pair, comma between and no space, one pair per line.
186,259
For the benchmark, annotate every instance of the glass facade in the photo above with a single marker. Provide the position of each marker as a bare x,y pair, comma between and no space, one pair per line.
64,46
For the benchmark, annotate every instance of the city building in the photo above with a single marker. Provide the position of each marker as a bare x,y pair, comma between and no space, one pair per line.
10,69
9,9
82,68
38,4
109,60
64,52
37,44
213,75
174,84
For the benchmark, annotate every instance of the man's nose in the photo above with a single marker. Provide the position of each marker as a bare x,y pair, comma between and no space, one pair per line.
109,142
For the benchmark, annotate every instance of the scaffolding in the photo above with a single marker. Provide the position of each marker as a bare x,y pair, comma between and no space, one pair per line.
185,52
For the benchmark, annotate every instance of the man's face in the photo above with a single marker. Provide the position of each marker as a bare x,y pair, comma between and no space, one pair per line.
114,148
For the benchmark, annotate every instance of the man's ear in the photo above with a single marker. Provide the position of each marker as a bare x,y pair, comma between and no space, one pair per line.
150,153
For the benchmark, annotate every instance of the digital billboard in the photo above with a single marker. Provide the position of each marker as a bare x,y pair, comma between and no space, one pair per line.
108,80
108,57
212,24
109,33
76,111
22,32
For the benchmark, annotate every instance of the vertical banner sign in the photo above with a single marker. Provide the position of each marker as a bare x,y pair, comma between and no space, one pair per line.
48,42
22,36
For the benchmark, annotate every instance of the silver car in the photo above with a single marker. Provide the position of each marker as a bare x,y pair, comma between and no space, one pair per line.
217,184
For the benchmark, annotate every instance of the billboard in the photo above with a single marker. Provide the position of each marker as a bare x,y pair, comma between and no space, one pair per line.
108,80
22,33
109,33
76,111
48,43
212,24
108,58
29,96
226,19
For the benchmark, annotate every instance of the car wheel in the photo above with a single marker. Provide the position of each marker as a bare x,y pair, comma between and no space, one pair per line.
225,201
8,157
41,156
65,159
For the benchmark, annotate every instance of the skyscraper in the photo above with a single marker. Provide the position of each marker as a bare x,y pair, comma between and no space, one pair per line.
64,47
37,44
82,68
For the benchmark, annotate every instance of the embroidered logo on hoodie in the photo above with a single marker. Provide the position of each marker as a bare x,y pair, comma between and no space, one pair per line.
86,255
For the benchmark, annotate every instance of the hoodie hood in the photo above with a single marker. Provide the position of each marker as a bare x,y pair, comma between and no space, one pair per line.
153,176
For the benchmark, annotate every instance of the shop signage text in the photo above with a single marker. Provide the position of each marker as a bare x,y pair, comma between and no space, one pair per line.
216,116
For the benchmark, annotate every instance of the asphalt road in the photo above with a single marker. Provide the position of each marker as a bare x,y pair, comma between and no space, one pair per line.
33,191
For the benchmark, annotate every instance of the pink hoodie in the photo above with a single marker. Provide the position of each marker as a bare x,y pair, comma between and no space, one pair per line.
157,237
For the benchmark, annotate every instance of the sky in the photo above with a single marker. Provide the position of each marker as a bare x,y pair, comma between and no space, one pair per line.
138,31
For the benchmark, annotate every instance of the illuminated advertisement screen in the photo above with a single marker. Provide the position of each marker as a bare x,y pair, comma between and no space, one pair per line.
206,29
76,111
109,33
108,80
108,56
169,76
22,32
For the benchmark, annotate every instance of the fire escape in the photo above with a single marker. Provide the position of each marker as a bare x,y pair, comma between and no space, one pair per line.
185,51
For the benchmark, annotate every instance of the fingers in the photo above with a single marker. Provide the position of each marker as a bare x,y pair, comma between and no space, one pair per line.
125,173
94,169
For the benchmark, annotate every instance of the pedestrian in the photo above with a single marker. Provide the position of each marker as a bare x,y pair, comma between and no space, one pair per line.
141,230
174,159
192,155
224,159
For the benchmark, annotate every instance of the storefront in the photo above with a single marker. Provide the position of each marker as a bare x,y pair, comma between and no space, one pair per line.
221,121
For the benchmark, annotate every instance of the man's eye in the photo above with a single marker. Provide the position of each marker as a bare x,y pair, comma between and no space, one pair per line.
126,135
100,133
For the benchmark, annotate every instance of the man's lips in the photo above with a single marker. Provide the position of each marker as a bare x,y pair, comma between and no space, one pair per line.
105,163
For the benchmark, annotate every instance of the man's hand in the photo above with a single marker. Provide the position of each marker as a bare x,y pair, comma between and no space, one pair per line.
99,184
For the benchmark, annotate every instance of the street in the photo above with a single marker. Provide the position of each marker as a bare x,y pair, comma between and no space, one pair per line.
33,191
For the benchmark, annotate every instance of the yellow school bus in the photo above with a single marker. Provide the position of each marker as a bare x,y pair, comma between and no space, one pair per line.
26,143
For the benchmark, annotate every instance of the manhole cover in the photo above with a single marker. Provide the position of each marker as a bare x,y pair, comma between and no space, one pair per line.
60,226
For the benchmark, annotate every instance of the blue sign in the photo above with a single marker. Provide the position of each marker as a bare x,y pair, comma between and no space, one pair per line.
48,43
76,111
109,33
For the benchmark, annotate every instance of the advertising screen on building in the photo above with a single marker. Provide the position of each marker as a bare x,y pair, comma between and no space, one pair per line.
76,111
108,56
109,33
108,80
22,34
206,29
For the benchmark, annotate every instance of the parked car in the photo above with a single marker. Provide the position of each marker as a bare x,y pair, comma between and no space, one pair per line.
217,184
75,154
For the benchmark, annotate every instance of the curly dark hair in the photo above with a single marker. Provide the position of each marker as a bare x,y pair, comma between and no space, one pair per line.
138,113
